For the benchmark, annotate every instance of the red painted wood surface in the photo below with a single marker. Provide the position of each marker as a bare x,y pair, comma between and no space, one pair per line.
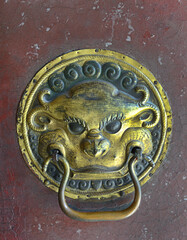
35,32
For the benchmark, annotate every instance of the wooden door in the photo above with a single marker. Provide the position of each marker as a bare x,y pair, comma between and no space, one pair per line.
35,32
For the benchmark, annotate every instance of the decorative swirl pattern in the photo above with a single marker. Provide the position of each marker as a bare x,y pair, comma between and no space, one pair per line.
126,179
58,177
156,134
73,183
72,72
38,120
144,90
107,184
33,141
42,97
144,162
156,116
91,69
111,71
119,181
51,170
138,168
84,185
129,80
156,138
56,83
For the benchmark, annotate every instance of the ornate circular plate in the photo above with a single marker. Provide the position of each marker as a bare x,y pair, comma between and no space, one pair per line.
94,106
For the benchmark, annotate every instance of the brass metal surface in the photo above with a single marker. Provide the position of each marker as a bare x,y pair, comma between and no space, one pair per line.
94,106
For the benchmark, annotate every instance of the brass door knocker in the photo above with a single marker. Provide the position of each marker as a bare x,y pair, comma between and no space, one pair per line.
92,124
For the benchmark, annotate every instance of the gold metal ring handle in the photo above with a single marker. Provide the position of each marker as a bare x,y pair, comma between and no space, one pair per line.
103,215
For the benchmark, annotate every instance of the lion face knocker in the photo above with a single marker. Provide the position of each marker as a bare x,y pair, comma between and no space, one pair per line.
91,124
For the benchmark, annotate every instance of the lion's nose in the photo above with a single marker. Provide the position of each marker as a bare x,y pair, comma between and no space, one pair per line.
95,145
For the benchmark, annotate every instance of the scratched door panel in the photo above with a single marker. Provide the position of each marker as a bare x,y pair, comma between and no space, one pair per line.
35,32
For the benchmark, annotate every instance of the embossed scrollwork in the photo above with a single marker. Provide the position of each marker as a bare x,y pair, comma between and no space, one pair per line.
38,120
156,134
107,184
152,118
119,181
73,183
42,95
56,83
111,71
148,114
72,72
84,185
129,80
138,168
91,69
144,90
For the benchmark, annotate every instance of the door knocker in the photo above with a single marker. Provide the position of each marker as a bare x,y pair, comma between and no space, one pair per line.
92,124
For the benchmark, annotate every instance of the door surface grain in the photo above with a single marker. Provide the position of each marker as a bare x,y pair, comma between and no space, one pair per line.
33,33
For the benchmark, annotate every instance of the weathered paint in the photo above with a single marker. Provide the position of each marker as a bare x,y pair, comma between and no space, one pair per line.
35,32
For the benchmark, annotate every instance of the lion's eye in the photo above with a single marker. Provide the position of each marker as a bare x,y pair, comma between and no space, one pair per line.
113,127
76,128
